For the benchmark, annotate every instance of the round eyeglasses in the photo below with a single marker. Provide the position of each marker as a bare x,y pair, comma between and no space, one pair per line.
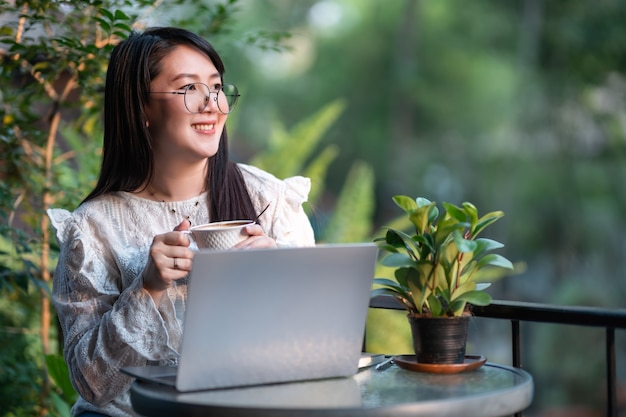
197,97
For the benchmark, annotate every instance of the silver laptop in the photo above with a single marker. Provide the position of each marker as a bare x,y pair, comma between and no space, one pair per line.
271,315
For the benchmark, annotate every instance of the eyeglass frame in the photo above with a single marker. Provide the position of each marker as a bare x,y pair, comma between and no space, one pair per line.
219,90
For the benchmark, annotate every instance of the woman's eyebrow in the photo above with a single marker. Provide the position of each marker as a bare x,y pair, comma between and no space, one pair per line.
195,76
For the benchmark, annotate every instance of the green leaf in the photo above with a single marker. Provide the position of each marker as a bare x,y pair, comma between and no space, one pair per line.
398,260
464,245
61,407
388,283
41,66
432,210
121,25
384,246
384,281
494,260
456,307
383,291
106,13
6,31
484,245
462,289
352,216
485,221
476,297
317,170
455,212
410,275
427,242
400,295
400,239
103,24
435,306
120,15
58,371
423,202
421,218
472,212
120,34
395,237
406,203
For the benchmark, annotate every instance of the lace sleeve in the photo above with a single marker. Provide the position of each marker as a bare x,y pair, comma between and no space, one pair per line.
285,220
106,324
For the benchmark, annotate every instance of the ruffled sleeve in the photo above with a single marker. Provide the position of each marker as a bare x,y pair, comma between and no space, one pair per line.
108,320
285,220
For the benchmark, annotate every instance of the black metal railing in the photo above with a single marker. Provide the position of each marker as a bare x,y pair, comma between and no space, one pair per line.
609,319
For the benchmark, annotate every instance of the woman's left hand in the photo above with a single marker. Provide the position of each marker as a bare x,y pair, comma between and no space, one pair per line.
256,238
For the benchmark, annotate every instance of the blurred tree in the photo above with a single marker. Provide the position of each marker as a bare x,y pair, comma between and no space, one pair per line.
431,86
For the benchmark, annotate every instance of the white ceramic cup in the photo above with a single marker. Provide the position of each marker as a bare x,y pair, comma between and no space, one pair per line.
219,235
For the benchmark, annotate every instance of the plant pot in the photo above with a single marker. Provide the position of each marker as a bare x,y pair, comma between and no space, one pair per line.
439,339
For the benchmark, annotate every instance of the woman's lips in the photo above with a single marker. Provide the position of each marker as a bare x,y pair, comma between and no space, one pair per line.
204,126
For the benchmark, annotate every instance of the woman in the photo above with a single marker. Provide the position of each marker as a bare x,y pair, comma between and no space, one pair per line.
120,288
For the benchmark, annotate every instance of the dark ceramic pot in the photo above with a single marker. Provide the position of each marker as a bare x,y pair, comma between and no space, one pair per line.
439,339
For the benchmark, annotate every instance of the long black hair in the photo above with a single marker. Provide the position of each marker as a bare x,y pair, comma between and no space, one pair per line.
127,159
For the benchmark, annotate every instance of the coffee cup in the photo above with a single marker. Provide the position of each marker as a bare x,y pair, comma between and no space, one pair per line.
219,235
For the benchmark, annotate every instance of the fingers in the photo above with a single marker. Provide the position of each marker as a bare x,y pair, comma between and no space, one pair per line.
170,259
175,238
180,264
177,265
254,230
168,246
184,225
169,256
257,238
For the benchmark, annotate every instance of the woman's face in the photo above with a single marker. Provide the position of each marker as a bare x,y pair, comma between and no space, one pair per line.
176,132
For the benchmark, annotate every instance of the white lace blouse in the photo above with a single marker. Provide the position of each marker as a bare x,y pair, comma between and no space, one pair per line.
109,321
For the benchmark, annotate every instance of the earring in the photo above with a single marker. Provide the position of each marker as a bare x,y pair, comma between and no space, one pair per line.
147,123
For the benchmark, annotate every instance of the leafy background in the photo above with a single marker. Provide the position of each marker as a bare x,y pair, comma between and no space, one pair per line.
516,105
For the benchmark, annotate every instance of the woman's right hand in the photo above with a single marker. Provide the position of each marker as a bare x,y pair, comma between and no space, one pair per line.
170,259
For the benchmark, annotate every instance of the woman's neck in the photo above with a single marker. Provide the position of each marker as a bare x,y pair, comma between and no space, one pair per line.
177,184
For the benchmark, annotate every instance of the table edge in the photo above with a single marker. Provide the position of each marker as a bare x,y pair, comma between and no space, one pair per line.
516,398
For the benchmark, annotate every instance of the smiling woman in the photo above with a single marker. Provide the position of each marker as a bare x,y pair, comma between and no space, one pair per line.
187,124
120,286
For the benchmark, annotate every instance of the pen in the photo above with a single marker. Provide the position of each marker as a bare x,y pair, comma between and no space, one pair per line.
384,365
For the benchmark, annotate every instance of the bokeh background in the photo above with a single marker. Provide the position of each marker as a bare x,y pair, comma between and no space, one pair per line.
514,105
517,105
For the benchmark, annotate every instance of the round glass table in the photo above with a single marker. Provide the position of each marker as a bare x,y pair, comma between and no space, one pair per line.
490,391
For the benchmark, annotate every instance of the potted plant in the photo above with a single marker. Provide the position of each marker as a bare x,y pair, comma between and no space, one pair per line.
437,268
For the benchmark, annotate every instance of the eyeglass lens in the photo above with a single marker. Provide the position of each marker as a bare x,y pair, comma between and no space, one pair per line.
198,96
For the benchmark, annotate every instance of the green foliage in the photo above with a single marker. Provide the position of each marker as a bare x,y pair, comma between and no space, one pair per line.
59,373
20,374
293,153
289,152
351,220
218,21
437,266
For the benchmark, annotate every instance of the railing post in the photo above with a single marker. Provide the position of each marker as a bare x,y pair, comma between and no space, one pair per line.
516,346
611,388
515,341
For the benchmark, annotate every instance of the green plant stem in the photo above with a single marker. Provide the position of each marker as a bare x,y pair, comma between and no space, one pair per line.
431,281
457,278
